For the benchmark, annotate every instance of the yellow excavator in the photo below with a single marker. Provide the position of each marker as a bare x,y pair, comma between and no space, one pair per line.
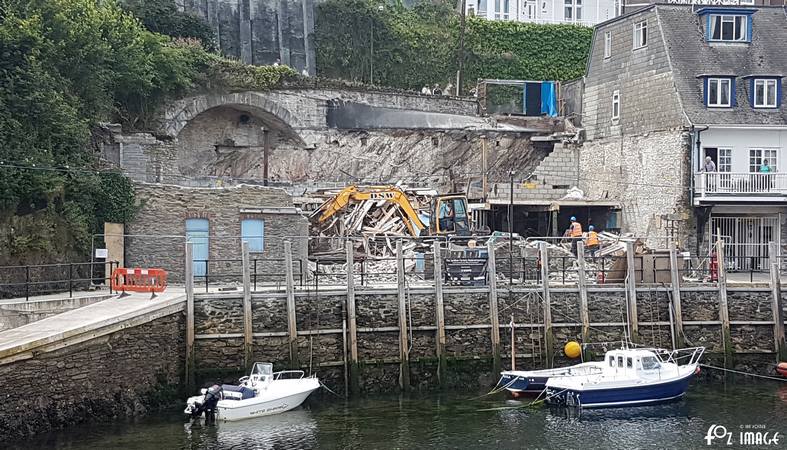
448,214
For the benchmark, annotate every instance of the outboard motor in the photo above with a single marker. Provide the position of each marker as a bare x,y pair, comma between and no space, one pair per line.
208,405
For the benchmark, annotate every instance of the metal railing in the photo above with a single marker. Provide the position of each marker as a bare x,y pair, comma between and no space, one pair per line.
223,272
43,279
744,183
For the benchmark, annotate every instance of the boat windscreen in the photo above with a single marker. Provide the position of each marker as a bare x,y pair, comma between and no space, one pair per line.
650,363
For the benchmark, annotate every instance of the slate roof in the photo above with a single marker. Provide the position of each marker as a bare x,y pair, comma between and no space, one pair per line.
691,56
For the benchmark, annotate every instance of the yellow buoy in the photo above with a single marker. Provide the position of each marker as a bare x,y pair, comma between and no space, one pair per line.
572,349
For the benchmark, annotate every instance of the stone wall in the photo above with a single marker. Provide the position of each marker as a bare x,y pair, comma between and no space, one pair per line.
648,174
261,32
156,236
125,373
468,331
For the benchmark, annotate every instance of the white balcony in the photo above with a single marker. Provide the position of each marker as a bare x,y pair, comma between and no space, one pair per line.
740,186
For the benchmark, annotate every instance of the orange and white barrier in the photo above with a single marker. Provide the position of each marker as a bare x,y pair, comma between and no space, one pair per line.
139,280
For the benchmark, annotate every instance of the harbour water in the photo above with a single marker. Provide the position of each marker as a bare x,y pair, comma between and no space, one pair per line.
453,420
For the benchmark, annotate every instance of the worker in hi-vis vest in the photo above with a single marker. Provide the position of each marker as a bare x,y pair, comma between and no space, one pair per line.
575,233
591,241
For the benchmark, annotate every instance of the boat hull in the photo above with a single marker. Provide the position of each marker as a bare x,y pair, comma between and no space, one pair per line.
233,410
612,397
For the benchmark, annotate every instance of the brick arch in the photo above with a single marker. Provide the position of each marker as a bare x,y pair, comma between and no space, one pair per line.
180,113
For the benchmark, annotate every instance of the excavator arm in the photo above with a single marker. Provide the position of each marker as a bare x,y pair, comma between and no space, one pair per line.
390,194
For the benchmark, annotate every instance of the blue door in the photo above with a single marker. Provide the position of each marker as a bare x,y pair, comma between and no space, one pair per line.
197,232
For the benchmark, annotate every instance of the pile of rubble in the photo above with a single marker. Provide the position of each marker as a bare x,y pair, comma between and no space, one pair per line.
375,223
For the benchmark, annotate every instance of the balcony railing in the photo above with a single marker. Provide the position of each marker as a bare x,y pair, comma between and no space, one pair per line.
721,184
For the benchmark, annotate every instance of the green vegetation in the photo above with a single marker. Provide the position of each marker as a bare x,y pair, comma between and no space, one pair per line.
64,66
419,46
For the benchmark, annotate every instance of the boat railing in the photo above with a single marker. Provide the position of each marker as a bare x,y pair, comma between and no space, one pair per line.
692,354
295,374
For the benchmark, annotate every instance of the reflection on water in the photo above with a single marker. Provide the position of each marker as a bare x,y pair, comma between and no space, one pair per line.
449,421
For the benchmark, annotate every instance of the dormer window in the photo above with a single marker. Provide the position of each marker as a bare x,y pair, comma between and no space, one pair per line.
719,92
728,28
727,24
765,91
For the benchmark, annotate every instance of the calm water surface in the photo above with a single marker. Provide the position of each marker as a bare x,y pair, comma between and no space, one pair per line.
451,421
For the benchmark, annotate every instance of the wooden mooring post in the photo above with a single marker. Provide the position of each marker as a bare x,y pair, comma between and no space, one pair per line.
776,302
439,315
680,336
583,294
292,328
549,336
494,317
404,346
247,325
351,320
631,294
189,278
724,313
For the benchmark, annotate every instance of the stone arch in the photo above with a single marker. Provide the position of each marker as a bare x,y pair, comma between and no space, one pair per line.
180,113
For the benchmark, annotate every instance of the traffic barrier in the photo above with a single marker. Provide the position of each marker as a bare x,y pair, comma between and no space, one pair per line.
139,280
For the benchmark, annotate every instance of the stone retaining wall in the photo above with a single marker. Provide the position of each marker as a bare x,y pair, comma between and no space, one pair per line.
468,332
125,373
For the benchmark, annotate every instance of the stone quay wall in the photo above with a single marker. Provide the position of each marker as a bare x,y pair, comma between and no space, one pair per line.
324,345
125,373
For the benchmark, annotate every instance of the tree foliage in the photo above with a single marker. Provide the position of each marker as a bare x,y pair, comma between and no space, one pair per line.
64,66
417,46
162,16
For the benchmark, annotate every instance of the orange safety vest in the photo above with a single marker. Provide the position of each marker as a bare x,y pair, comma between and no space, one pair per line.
576,229
592,238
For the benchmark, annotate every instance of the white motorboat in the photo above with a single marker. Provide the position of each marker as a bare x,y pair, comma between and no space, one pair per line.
262,393
629,377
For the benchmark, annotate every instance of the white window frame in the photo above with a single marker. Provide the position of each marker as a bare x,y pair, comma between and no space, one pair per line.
640,34
482,11
757,155
502,9
742,31
724,155
575,8
617,8
607,44
716,102
615,105
769,86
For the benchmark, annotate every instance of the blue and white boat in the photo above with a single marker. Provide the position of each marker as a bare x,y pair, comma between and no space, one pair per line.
526,382
628,377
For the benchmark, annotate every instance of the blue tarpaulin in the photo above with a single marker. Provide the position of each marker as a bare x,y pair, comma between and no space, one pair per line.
548,99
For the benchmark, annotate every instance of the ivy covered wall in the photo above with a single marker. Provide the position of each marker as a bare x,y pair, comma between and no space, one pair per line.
409,47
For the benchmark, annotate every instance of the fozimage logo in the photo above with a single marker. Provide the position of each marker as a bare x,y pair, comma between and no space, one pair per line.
748,435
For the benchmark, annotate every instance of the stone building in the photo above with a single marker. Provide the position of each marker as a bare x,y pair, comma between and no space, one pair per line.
668,85
216,221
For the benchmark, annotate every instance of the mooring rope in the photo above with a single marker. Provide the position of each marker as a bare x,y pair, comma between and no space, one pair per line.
329,390
744,373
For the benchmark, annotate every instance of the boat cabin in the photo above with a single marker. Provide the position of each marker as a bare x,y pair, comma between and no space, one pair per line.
632,360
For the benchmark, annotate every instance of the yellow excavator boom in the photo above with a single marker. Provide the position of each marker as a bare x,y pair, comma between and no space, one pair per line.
390,194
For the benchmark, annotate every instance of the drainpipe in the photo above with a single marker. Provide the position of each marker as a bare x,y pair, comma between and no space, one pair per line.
696,132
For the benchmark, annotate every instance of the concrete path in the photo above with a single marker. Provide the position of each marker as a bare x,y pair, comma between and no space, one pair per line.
88,322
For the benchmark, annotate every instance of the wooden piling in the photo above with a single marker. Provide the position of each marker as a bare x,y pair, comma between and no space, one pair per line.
292,328
724,314
549,336
189,277
776,303
583,293
439,315
247,325
494,318
351,320
404,348
680,336
631,294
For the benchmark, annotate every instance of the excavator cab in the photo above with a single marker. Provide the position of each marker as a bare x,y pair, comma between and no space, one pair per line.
450,216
